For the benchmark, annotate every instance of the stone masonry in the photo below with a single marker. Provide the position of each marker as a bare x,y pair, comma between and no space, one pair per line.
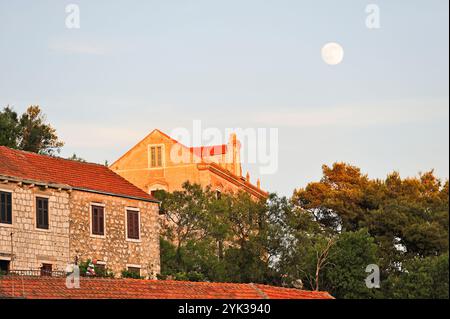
69,232
32,246
114,249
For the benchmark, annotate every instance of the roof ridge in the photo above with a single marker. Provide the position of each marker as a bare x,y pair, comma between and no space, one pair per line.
259,291
244,181
51,156
37,287
221,145
143,139
84,176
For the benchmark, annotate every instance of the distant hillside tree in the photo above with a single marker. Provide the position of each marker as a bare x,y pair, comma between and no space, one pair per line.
9,128
75,157
29,132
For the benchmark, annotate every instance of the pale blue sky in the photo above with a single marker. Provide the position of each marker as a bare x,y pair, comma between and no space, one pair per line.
138,65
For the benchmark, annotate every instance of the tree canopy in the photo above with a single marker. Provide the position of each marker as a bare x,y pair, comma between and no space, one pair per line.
322,238
28,132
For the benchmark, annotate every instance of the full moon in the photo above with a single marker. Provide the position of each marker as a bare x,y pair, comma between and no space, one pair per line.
332,53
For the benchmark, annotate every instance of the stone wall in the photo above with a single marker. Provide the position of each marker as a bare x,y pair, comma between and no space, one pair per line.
32,246
69,233
115,250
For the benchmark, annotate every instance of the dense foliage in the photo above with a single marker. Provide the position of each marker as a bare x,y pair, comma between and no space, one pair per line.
323,237
29,132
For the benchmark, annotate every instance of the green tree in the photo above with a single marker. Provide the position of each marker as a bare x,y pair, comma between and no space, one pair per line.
349,257
184,214
407,219
339,201
215,238
9,128
36,135
421,278
29,132
75,157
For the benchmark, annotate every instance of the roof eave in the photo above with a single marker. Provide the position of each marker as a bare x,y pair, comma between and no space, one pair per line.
35,182
70,188
149,200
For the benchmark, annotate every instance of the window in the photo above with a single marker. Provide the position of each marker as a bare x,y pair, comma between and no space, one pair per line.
100,267
42,213
98,220
4,266
46,270
135,270
5,208
133,224
156,156
159,158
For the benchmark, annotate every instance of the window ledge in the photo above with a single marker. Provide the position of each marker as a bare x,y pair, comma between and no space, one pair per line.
133,240
98,236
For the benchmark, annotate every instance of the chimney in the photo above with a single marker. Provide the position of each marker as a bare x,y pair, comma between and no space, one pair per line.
234,155
258,183
247,177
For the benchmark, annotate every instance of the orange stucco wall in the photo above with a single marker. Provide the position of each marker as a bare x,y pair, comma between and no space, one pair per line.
135,166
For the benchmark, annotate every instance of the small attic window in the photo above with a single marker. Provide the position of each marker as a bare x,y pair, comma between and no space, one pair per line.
156,156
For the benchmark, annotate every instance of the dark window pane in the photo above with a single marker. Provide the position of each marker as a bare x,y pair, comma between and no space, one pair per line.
135,270
4,266
46,270
133,224
5,208
98,220
100,267
41,213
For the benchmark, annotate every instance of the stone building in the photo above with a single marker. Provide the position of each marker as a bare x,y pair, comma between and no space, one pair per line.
53,210
159,162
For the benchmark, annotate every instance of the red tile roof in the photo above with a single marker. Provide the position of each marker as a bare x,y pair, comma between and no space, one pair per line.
97,288
203,151
77,175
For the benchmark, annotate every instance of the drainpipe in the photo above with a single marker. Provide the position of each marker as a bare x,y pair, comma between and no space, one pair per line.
12,252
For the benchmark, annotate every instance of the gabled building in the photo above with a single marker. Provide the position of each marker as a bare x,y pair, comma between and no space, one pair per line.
54,210
159,162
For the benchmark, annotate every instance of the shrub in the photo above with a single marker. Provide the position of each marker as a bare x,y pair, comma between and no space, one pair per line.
130,274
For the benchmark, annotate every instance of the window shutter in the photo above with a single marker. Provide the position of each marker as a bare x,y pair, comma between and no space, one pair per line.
5,208
98,220
159,156
153,156
42,213
133,224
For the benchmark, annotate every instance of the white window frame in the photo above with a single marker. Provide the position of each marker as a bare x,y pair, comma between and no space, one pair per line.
104,220
126,225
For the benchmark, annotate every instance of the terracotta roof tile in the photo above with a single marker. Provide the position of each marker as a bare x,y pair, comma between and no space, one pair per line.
202,151
97,288
78,175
